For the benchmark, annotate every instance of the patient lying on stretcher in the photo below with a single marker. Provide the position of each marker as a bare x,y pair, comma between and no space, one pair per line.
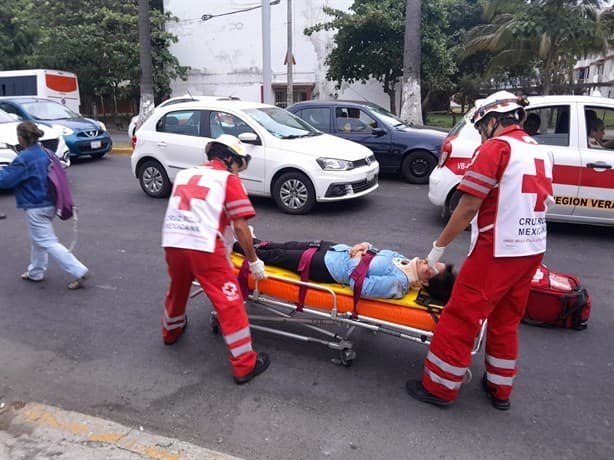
390,275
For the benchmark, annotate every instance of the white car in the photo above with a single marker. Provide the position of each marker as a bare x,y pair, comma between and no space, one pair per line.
9,145
292,162
583,176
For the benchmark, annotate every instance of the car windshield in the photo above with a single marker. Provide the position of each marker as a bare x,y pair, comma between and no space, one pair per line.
6,118
281,123
48,110
388,118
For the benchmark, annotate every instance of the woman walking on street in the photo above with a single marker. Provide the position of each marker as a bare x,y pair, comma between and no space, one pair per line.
27,174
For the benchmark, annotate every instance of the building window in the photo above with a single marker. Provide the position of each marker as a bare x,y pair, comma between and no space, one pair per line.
300,93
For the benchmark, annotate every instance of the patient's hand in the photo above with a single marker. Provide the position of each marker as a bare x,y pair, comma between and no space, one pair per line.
358,250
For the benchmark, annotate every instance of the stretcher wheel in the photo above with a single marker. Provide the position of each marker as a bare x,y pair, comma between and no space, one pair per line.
214,324
346,357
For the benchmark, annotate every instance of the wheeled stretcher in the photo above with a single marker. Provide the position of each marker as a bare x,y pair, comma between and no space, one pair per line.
412,317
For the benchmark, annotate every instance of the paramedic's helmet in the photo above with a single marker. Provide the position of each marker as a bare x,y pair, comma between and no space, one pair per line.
227,145
502,103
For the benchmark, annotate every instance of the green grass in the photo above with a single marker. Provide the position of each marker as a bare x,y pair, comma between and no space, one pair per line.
442,120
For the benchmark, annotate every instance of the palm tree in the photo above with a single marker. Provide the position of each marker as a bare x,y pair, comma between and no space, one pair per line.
545,35
411,105
147,95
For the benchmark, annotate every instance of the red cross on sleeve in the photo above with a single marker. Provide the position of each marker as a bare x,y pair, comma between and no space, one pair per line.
539,184
188,192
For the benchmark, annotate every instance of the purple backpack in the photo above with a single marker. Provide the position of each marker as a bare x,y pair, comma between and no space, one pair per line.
59,188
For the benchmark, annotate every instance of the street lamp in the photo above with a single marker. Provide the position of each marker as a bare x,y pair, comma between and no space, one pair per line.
206,17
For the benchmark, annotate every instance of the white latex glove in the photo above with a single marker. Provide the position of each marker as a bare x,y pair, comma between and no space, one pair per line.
257,269
434,256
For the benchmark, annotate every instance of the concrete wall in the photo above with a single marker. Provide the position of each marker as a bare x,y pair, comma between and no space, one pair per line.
225,52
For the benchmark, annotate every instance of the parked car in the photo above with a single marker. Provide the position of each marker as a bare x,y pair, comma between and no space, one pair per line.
583,177
83,136
410,150
9,145
291,162
176,100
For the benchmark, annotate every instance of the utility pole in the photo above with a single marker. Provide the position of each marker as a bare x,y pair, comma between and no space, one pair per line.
290,59
267,89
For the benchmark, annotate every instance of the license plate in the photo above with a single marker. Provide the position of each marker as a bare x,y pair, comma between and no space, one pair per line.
96,144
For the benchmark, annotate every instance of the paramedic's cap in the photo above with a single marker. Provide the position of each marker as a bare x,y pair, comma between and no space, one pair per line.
409,267
233,146
500,102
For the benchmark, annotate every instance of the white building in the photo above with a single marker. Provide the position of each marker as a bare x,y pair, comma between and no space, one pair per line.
225,50
596,74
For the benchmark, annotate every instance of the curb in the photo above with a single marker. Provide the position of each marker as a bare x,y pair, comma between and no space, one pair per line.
40,428
121,150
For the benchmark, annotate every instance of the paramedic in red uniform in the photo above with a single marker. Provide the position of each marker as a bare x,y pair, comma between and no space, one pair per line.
206,204
506,191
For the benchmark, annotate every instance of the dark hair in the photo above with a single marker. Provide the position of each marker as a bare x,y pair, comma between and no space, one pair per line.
440,286
29,132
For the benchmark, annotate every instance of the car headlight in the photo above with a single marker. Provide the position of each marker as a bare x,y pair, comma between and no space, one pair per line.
64,130
334,164
102,126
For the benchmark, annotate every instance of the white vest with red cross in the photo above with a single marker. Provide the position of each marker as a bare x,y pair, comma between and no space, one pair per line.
525,192
195,209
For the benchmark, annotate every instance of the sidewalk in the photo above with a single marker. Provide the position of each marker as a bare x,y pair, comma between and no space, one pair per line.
41,432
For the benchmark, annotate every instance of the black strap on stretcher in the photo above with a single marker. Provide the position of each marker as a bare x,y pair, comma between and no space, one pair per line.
359,274
426,300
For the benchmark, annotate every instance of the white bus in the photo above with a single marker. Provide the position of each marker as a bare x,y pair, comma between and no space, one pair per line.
52,84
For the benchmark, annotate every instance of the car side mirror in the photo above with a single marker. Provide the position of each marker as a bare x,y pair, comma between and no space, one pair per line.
378,132
250,138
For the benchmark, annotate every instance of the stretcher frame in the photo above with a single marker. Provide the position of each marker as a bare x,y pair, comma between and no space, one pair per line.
315,319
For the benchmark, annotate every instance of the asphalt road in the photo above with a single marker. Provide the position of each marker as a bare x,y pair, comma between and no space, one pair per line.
99,350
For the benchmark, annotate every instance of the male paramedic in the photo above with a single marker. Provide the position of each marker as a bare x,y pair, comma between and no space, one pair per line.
206,203
506,191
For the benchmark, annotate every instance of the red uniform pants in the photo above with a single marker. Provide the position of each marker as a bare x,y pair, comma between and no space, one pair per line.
487,288
213,272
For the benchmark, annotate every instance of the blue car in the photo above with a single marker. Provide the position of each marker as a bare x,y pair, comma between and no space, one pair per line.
411,151
83,136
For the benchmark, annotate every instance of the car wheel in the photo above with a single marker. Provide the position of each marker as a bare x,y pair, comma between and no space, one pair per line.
417,167
154,180
293,193
450,204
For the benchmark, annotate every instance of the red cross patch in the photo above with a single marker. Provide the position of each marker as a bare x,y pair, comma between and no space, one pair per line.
539,184
190,191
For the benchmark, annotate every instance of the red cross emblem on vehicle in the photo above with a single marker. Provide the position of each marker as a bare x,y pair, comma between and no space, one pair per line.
539,184
188,192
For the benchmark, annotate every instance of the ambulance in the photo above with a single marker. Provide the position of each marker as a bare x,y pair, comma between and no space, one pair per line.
583,174
58,85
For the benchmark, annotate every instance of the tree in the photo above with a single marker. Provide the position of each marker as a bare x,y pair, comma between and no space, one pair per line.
368,44
147,97
540,39
97,40
411,108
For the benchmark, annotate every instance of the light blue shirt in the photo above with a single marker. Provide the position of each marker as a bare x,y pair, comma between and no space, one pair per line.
384,280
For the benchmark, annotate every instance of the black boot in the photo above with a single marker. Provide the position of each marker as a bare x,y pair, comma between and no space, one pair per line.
262,362
500,404
417,391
